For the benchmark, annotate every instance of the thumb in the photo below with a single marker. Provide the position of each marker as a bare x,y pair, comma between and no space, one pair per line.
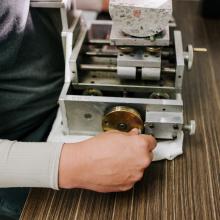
134,131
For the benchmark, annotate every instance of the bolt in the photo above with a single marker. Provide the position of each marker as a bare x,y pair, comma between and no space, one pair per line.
174,136
201,50
151,125
122,126
191,127
175,127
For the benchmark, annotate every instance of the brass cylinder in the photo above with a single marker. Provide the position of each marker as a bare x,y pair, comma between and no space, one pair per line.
122,118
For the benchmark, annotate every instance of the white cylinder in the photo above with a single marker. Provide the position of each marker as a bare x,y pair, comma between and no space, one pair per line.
126,72
151,74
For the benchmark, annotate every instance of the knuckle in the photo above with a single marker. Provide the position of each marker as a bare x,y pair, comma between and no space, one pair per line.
126,187
152,142
139,176
141,141
147,141
136,177
146,162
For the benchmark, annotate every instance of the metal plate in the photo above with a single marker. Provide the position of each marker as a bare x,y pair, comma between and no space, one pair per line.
119,38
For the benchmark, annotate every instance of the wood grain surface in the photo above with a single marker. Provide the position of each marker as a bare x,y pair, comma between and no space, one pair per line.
186,188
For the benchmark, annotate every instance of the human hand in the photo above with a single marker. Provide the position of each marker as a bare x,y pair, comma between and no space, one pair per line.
94,5
111,161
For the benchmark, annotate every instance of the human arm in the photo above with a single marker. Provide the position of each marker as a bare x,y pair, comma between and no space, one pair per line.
37,164
30,164
112,161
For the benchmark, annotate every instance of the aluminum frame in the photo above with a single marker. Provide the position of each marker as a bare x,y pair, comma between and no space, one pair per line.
165,115
83,114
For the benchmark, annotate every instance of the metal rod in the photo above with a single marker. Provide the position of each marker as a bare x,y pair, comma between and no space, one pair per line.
101,54
164,54
94,67
113,68
168,70
99,41
202,50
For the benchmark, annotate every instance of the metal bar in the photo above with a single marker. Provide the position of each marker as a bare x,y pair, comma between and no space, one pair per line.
202,50
101,54
113,68
180,63
168,70
99,41
94,67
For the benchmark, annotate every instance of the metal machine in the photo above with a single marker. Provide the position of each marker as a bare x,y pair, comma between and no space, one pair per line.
119,81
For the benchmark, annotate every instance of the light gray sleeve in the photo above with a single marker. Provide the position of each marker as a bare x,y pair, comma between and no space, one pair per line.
29,164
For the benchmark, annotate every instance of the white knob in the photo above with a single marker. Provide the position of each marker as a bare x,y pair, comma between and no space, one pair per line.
191,127
189,56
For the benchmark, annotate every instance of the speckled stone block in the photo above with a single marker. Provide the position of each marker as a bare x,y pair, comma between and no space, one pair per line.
141,18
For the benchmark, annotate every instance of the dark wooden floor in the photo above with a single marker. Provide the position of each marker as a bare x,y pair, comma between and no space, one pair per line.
186,188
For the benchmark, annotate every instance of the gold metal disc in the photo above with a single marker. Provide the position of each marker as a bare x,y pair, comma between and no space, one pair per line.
126,49
92,92
122,118
159,95
153,49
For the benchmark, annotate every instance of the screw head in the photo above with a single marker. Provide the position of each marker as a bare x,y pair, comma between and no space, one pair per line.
176,127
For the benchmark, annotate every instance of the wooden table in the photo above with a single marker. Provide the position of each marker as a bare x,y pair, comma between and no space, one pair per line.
186,188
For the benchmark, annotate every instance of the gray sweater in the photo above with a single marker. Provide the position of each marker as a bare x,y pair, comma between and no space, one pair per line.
31,71
31,78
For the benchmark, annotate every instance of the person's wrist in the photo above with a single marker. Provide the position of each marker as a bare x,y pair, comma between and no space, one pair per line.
105,5
68,167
